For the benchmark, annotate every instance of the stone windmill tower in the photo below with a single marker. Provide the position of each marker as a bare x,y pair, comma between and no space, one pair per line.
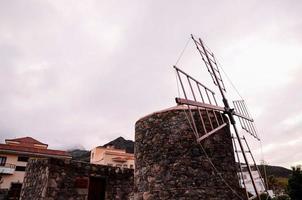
189,151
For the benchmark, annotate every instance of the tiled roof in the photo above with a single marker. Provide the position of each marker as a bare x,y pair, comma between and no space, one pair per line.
34,151
27,140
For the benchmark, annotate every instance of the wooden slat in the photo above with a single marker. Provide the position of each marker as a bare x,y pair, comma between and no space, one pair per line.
198,104
187,75
211,132
243,116
209,106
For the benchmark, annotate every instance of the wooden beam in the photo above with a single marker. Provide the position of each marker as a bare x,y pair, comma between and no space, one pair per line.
198,104
211,132
243,116
208,106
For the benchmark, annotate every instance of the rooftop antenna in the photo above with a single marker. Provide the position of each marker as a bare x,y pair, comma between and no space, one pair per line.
200,97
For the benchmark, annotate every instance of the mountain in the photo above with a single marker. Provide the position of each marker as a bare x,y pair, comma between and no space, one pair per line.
121,143
276,171
82,155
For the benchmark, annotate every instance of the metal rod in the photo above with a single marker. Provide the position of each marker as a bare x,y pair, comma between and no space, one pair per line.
201,96
214,59
242,116
182,86
180,101
248,147
212,110
200,115
236,109
246,161
191,88
179,70
211,132
229,111
216,78
193,94
242,121
202,121
247,113
208,96
184,92
202,54
251,127
240,167
243,112
216,118
246,125
200,92
221,117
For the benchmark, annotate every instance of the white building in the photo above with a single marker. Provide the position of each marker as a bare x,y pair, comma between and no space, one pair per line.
111,156
14,155
248,181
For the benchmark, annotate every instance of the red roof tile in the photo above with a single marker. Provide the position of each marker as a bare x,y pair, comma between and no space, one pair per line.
30,150
27,140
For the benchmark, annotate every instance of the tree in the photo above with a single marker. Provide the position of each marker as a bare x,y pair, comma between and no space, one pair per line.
265,196
282,197
295,184
272,182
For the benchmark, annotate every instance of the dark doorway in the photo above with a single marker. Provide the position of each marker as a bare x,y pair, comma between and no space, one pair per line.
14,191
97,188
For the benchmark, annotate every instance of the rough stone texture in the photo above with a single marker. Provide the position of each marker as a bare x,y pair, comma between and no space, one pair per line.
171,165
56,179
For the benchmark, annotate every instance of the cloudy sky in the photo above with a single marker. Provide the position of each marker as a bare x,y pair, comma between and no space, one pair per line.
80,73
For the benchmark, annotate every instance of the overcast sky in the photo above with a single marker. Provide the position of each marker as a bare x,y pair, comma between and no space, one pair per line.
81,73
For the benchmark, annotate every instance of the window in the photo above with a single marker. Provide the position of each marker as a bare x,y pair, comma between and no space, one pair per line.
109,164
125,165
131,166
23,158
2,160
118,165
20,168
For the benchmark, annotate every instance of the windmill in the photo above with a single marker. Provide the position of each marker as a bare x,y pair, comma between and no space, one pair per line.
199,97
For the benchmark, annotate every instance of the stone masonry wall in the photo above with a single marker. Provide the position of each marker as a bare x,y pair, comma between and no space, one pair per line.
171,165
57,179
36,180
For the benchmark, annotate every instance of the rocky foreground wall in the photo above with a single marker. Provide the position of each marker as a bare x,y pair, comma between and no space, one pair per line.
171,165
57,179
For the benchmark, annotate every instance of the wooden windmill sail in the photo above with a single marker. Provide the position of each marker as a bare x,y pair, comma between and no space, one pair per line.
199,97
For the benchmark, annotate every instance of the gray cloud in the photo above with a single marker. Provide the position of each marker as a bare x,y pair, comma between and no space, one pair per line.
84,72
